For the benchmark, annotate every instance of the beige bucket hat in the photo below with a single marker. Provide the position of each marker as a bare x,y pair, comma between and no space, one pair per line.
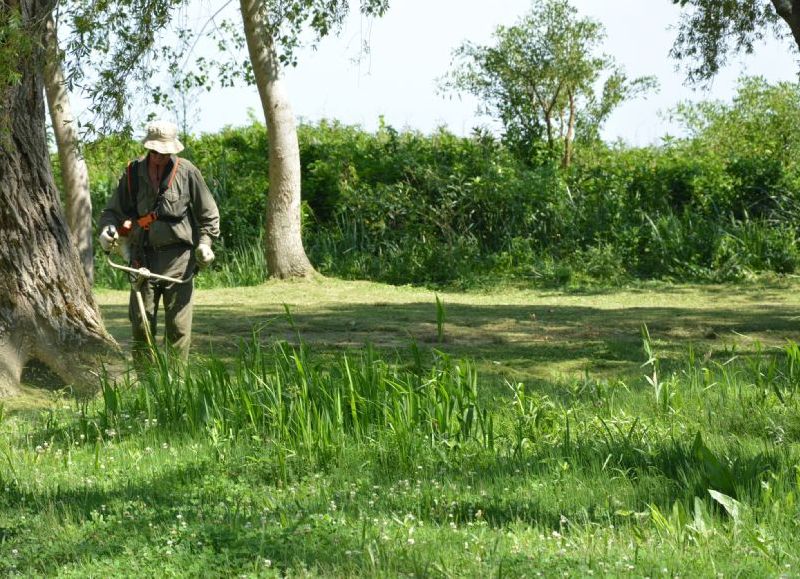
162,137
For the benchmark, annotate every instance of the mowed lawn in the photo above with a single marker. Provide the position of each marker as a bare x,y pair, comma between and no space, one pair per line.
521,335
589,469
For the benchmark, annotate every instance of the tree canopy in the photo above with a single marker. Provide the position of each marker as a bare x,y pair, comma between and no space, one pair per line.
711,30
545,78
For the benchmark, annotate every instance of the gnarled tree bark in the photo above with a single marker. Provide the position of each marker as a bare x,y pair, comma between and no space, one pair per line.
47,311
285,254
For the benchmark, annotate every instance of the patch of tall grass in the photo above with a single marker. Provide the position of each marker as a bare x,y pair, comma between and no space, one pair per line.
314,409
310,407
409,458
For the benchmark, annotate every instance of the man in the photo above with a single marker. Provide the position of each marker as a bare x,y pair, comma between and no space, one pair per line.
165,210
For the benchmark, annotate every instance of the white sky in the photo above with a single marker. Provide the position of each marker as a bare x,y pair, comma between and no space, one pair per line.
411,48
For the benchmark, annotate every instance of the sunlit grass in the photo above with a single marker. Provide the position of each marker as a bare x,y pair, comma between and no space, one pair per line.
292,461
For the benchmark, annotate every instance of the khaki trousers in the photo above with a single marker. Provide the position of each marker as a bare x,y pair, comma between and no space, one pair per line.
175,261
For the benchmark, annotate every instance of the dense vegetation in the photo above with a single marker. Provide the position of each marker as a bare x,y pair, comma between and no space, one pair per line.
720,203
288,462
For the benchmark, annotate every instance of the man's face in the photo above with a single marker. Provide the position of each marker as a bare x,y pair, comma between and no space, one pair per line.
159,159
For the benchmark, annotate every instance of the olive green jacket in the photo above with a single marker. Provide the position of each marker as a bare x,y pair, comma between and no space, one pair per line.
187,212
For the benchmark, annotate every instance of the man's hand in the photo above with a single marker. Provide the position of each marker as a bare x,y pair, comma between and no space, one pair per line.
108,237
204,255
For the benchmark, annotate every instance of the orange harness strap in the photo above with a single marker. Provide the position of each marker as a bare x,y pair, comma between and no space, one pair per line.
146,220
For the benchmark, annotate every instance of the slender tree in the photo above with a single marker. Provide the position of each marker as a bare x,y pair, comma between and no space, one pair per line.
285,254
272,31
74,172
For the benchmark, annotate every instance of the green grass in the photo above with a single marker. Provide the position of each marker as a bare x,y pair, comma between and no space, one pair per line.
664,450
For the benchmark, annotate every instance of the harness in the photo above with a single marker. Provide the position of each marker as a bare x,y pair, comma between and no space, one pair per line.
156,213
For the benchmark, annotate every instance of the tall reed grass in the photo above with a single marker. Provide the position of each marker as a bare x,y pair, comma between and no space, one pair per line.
314,408
307,406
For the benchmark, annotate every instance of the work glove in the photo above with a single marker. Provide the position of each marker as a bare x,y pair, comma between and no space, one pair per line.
204,255
108,237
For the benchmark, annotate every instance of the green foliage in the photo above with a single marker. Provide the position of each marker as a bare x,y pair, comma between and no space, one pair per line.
721,204
712,29
15,44
539,79
308,407
234,165
288,462
114,43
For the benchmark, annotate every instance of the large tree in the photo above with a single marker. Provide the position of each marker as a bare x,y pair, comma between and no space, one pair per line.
47,312
710,30
540,77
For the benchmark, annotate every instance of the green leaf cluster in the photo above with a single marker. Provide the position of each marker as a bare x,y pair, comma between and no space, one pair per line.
721,203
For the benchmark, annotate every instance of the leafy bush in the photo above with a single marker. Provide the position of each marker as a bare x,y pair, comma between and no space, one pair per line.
404,207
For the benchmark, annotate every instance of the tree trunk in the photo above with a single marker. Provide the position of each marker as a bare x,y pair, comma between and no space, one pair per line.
285,254
570,136
47,311
78,201
789,10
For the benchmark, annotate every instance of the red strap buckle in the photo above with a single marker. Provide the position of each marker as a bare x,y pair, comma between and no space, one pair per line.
145,220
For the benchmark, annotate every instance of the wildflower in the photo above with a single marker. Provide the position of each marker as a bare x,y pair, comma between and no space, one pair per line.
411,540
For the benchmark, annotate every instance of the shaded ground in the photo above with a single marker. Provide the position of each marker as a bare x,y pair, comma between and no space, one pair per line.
521,335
